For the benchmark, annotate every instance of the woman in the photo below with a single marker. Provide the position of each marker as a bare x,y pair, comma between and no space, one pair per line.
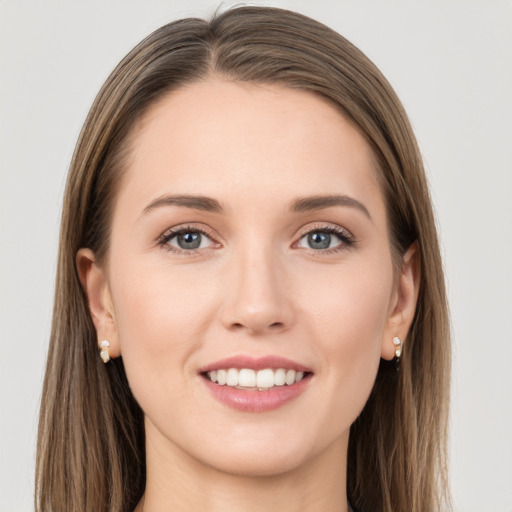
248,255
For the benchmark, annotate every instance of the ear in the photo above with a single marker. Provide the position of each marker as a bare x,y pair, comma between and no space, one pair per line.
96,287
403,303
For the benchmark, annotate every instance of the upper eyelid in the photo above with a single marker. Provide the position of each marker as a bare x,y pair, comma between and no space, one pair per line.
175,230
325,226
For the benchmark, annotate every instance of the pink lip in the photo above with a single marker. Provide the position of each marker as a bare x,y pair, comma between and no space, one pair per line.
253,363
251,400
256,401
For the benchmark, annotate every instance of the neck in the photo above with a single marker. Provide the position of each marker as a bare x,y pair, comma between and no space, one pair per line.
176,482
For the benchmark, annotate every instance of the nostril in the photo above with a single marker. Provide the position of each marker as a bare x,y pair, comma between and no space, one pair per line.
273,326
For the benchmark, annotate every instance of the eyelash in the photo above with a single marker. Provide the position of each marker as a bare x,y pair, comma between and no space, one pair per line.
164,239
347,240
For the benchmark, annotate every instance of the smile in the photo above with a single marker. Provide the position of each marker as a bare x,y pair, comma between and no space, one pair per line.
249,379
256,385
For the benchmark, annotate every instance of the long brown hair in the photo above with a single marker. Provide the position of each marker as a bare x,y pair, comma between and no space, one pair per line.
91,454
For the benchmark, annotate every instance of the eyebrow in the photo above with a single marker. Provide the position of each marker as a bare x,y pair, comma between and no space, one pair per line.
300,205
313,203
188,201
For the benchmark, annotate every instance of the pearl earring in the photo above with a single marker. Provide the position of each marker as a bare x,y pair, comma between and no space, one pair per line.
397,342
105,356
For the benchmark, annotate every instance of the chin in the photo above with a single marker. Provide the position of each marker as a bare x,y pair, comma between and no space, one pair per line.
267,454
267,462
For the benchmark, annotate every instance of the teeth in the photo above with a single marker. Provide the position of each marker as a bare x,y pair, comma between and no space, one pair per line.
262,379
280,377
221,377
265,378
290,377
247,378
232,377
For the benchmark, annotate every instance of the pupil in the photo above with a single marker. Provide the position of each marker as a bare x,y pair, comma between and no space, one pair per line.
319,240
189,240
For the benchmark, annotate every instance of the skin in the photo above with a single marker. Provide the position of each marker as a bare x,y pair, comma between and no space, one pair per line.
255,287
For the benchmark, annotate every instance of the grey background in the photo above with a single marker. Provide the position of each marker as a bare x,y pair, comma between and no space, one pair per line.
451,64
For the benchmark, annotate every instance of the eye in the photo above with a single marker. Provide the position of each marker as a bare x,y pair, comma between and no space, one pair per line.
319,240
186,240
325,238
189,240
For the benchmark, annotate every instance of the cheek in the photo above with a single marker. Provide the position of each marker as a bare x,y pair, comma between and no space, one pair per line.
157,303
161,316
349,308
349,319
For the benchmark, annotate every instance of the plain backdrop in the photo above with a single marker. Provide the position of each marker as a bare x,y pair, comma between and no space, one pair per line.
451,64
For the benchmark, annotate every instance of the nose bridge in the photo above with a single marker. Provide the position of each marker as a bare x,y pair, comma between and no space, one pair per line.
258,299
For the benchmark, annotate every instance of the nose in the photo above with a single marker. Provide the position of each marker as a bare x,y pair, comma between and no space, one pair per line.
257,299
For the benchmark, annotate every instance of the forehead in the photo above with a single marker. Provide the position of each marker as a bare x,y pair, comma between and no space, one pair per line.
261,141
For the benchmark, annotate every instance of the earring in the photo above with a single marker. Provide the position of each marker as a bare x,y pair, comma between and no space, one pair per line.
398,351
105,356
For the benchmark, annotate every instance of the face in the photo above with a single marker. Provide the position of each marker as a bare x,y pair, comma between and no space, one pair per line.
249,243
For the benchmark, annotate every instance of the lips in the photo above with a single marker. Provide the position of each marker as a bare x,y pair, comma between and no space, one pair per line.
256,384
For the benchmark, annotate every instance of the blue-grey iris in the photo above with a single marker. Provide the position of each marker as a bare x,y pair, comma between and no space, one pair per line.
319,240
189,240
